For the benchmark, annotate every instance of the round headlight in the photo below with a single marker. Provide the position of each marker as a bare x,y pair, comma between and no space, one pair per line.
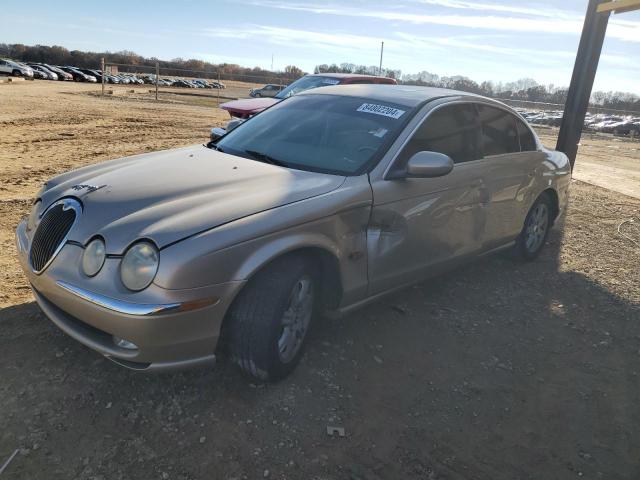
93,257
139,266
32,221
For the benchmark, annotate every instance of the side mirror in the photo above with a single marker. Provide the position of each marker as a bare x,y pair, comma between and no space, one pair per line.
429,165
216,133
233,123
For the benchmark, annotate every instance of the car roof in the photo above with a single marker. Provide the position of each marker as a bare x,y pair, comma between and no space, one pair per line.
343,75
408,95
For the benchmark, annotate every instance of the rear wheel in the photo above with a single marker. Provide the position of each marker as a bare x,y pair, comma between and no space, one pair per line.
16,73
267,325
536,229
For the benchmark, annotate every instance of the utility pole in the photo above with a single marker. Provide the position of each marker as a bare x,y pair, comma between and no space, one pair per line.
157,77
219,86
272,62
103,73
381,51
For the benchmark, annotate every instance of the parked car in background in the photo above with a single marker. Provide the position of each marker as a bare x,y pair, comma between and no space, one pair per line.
243,109
78,75
15,69
49,75
626,127
135,79
62,75
269,90
123,79
182,83
112,79
93,73
248,107
40,75
339,195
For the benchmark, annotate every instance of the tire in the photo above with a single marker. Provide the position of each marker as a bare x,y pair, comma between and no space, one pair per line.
258,95
536,228
255,336
16,73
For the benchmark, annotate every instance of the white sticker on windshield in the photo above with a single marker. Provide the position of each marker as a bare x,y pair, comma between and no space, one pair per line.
381,132
381,110
330,81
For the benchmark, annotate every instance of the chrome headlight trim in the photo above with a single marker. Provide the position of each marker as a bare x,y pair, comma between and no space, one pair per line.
139,265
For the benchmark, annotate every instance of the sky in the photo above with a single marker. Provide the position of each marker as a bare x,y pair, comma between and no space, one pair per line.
499,40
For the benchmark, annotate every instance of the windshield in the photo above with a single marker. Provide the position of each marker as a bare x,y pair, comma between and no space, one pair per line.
306,83
320,133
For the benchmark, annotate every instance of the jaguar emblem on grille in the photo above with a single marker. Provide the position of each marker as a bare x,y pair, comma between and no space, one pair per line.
88,188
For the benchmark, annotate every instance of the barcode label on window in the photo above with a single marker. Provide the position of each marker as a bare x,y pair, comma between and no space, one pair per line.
380,110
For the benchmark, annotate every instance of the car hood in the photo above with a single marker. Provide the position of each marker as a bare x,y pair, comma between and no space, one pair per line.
170,195
249,105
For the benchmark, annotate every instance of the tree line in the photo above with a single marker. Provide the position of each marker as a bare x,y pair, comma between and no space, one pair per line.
525,89
57,55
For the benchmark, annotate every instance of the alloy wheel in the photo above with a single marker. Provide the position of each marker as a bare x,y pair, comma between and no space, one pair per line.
296,319
536,229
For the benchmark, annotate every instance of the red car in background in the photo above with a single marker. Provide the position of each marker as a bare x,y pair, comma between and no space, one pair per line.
248,107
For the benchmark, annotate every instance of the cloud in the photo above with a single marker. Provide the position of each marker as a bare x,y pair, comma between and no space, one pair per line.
625,30
400,47
560,22
464,54
539,11
291,37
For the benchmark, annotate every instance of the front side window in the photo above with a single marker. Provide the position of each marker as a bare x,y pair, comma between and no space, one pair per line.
499,133
323,133
452,130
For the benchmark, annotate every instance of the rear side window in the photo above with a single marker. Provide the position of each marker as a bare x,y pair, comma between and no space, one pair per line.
452,130
499,132
527,142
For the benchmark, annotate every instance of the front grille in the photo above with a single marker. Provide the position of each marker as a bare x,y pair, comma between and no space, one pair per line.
52,232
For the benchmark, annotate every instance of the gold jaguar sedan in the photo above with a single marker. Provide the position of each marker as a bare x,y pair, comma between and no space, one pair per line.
322,203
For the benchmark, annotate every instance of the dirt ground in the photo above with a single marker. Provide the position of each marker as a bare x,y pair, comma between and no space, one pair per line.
604,160
495,371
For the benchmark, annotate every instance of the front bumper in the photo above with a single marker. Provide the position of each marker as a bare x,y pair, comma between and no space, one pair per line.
170,329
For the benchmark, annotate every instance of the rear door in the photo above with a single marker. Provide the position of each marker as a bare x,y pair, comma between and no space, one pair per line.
512,159
420,225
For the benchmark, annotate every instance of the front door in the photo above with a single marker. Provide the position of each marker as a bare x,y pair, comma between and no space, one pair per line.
420,225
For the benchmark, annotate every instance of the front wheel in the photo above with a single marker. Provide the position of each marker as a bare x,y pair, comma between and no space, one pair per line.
266,327
536,229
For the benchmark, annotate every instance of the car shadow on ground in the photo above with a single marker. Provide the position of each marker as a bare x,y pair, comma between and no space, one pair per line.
498,370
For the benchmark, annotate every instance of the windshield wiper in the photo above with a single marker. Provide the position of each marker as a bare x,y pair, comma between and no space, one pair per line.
263,157
213,146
